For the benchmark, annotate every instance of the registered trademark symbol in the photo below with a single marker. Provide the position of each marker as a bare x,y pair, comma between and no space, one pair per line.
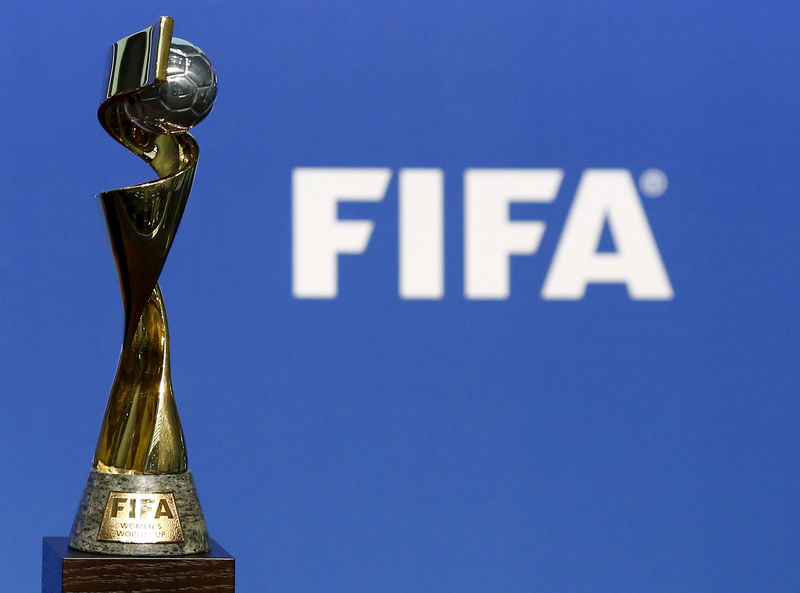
653,183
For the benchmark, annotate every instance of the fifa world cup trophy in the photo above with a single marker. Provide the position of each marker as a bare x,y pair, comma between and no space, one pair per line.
140,499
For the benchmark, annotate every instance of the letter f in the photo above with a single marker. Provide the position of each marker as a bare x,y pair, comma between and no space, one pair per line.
318,236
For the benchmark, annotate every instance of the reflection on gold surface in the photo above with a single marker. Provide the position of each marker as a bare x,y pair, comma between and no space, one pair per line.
141,431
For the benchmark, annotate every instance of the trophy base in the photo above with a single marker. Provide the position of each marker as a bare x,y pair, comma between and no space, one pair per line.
67,571
140,515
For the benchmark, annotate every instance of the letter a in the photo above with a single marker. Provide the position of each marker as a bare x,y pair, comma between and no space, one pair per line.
163,510
607,196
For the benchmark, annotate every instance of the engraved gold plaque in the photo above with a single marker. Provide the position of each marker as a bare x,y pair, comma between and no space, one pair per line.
141,518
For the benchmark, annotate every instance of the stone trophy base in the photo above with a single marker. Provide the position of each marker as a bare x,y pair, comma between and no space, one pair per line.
67,571
140,515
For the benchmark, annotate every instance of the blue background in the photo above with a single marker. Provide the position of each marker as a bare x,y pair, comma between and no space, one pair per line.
372,444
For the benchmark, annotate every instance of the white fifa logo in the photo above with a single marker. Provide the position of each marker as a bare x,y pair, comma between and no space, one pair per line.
604,197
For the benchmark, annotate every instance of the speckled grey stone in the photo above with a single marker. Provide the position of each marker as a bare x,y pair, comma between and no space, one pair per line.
86,527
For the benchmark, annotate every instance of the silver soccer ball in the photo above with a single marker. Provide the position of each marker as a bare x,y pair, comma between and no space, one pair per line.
183,100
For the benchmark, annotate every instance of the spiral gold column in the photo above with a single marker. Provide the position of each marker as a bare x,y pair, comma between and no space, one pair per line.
141,432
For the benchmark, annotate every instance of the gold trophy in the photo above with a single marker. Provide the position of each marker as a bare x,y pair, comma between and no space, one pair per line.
140,499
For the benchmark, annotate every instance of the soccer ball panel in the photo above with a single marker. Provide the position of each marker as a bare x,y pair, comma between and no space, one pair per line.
183,100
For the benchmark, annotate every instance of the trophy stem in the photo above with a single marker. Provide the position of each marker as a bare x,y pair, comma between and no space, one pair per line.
141,431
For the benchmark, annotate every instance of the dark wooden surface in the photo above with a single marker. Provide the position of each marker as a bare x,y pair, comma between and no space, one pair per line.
68,571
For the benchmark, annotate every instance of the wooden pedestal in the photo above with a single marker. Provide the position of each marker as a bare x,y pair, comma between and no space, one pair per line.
68,571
